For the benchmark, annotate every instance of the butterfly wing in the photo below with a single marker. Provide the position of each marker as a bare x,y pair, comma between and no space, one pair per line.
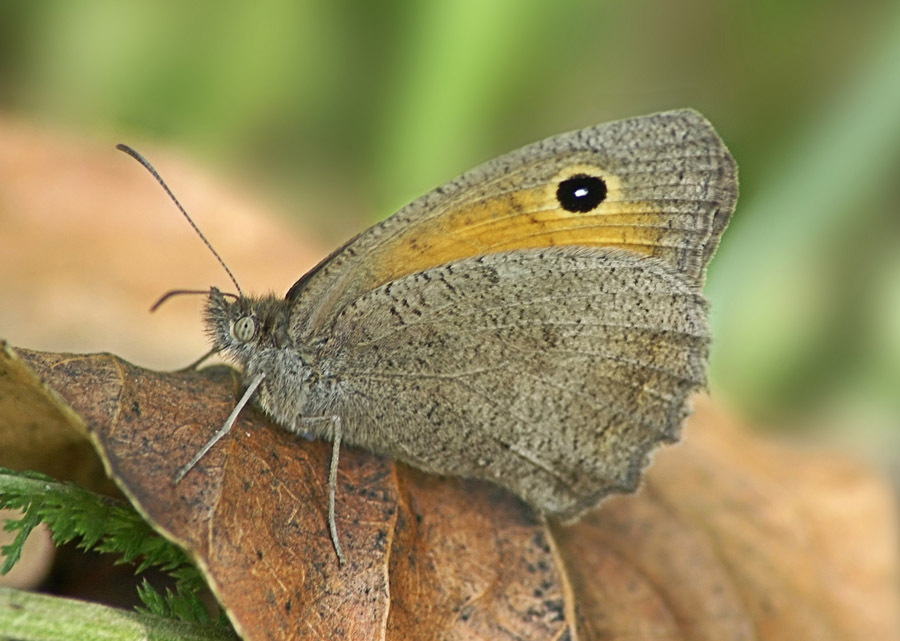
551,372
670,188
537,321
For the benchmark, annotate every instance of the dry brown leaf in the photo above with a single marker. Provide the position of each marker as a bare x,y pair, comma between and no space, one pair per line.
731,537
38,431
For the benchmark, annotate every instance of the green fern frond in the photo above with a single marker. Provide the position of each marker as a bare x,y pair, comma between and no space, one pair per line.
101,524
182,604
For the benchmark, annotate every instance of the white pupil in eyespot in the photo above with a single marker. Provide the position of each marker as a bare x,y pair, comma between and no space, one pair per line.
244,329
581,192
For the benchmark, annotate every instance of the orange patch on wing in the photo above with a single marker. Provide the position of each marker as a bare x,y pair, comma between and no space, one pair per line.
522,219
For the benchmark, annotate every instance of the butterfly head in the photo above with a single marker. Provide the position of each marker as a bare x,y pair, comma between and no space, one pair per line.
245,327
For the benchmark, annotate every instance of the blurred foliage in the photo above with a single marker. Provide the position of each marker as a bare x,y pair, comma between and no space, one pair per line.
354,108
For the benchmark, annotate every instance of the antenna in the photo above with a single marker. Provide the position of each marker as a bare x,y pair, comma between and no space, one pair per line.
180,292
131,152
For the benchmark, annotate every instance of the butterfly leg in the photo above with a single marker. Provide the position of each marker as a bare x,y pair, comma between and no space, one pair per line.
332,485
332,480
229,422
197,363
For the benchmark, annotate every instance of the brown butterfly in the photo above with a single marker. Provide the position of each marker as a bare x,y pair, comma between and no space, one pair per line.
537,322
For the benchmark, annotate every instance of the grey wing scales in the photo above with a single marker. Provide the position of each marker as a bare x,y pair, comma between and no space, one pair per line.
551,372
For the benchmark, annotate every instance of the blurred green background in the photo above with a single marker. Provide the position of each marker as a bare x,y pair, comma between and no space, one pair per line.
357,107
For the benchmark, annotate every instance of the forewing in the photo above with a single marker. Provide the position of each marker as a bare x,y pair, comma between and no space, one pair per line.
671,188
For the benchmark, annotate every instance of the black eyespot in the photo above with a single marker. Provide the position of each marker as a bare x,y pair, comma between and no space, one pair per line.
581,193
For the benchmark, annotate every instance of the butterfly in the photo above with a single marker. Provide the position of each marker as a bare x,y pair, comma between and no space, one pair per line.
537,322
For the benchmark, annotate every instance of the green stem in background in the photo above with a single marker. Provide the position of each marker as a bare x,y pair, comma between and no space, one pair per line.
768,275
38,617
457,60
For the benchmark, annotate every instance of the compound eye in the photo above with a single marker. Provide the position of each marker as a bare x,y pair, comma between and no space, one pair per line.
244,328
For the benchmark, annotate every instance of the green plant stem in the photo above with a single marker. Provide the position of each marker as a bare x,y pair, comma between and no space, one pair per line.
37,617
